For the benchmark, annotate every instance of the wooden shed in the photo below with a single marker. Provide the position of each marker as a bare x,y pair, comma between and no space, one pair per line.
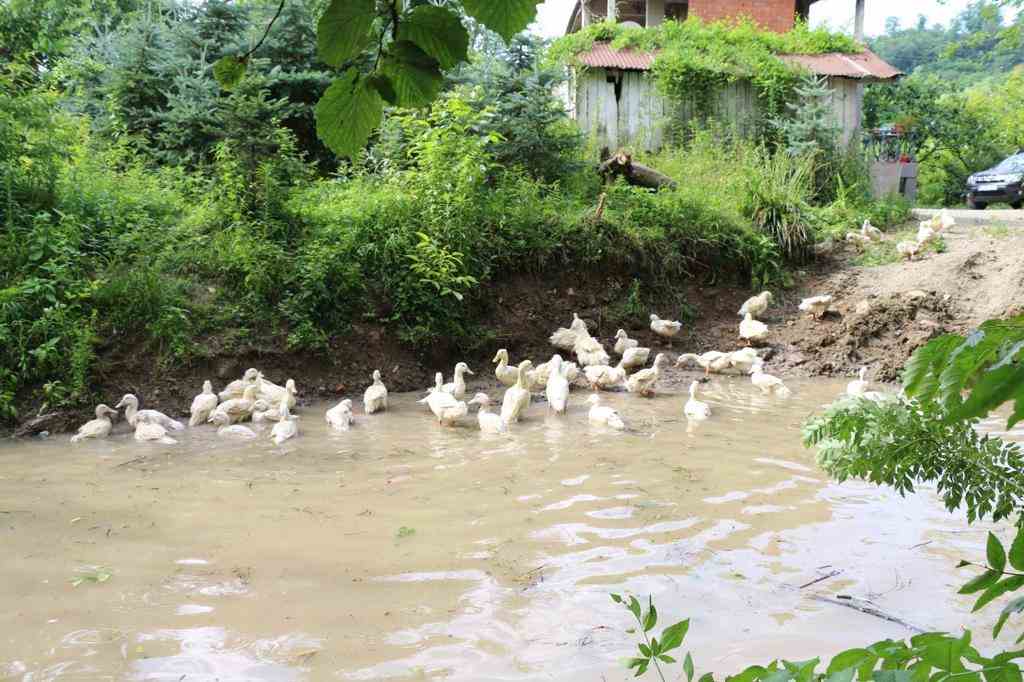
614,99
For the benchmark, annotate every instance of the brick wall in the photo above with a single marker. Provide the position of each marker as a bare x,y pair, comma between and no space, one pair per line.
775,15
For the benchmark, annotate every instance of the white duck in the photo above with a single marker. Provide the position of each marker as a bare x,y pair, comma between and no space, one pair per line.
766,382
375,398
711,361
589,350
263,412
643,381
517,398
696,409
98,427
237,409
228,430
457,387
132,413
604,415
274,394
755,306
287,428
541,373
340,416
557,388
945,220
146,430
816,305
489,422
602,377
665,328
237,387
203,405
743,359
753,331
859,385
445,407
635,357
565,339
870,231
623,342
503,372
857,239
925,233
908,249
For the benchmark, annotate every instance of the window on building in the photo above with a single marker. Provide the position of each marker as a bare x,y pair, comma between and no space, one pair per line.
676,11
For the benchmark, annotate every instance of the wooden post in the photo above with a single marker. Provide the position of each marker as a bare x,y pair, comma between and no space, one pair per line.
612,10
858,21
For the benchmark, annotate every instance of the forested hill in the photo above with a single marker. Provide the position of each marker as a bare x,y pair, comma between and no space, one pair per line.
974,46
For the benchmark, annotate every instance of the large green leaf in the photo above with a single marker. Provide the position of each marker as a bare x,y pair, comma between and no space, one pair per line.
981,582
414,74
1014,606
229,71
1017,550
504,17
438,31
995,553
349,111
344,30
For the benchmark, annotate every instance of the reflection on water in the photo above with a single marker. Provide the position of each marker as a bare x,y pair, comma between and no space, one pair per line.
405,550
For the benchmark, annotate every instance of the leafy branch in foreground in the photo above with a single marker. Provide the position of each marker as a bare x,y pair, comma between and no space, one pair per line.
900,443
387,51
928,657
988,362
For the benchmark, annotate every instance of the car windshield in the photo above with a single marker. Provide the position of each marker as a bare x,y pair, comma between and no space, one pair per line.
1014,164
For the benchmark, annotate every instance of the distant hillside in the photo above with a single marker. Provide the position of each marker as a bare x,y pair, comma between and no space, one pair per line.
974,46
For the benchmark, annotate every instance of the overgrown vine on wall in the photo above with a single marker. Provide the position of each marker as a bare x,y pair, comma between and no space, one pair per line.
695,59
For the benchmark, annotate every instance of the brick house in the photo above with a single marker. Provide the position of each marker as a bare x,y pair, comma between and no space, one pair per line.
775,15
613,99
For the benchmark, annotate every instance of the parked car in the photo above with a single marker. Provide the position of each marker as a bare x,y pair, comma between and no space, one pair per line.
1001,183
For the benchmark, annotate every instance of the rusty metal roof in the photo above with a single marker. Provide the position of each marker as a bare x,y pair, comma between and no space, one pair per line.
863,65
604,56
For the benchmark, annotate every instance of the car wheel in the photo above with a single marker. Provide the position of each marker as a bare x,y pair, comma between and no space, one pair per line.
976,205
1016,204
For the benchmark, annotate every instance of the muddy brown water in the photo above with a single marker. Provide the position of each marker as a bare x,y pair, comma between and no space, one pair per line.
403,550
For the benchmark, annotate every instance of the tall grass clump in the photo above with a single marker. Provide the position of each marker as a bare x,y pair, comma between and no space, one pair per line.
776,202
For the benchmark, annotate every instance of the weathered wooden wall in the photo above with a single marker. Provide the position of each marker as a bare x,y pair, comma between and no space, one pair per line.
620,108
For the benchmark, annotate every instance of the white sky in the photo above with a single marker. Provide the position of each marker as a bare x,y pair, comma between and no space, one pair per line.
838,14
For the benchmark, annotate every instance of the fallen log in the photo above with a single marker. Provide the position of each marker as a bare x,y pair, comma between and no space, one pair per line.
621,164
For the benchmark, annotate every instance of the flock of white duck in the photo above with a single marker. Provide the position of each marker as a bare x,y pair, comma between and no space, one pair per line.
255,399
927,231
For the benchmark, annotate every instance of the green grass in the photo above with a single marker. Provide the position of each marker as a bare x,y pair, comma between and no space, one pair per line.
884,252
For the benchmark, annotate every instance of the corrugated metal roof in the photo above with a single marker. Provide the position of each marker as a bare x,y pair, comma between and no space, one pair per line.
866,64
604,56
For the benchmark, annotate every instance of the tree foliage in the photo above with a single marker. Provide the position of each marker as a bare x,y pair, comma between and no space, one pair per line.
405,47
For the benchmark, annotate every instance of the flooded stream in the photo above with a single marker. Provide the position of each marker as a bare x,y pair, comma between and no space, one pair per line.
403,550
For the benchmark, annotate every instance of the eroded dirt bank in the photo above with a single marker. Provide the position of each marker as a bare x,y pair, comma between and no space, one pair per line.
880,316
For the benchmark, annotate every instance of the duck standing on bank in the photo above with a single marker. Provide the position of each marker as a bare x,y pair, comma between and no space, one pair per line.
816,305
666,329
375,398
489,421
753,331
755,306
98,427
203,405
